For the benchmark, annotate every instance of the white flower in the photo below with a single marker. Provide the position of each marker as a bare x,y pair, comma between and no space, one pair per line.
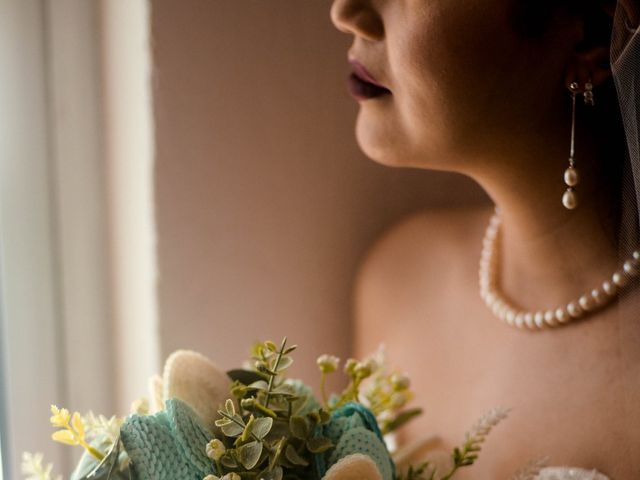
400,382
32,466
328,363
215,449
531,470
483,426
101,426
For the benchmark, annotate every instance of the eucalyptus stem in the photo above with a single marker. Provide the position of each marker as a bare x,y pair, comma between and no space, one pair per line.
275,372
240,424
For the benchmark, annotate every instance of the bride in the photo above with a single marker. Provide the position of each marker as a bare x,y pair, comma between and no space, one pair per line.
520,96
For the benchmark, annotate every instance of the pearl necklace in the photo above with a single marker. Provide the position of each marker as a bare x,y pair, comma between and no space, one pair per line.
589,302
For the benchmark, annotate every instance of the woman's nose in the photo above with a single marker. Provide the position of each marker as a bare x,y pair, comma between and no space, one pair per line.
358,17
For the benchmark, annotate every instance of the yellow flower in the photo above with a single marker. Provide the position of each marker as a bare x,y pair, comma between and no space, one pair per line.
72,431
60,417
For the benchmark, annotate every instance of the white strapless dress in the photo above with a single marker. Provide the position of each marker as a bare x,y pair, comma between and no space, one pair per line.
564,473
441,460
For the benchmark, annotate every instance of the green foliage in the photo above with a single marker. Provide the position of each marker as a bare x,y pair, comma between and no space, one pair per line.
466,455
385,394
266,432
424,471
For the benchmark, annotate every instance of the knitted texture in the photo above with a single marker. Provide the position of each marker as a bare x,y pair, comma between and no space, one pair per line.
354,430
170,445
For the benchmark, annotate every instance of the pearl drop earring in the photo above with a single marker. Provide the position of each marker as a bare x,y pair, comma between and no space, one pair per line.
571,177
588,94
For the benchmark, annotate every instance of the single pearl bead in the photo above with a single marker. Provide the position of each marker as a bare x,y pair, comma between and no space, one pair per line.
630,267
569,199
528,320
610,288
574,310
598,296
539,319
562,316
586,302
636,255
511,317
520,320
571,177
550,318
620,279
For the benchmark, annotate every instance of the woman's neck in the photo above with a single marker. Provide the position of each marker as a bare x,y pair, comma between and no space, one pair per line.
549,255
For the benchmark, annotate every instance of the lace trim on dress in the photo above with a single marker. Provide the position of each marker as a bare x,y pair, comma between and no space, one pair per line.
563,473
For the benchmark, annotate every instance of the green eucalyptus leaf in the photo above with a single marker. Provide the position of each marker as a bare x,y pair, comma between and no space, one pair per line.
246,377
280,428
314,418
284,390
230,407
221,422
294,457
232,429
325,417
259,385
274,474
262,427
319,444
299,427
249,454
284,363
402,419
229,460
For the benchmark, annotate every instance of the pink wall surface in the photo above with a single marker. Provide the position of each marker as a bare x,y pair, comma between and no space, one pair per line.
264,204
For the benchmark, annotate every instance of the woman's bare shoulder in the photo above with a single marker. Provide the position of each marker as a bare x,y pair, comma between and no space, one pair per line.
425,236
420,250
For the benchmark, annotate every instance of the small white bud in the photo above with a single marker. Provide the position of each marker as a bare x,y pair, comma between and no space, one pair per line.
328,363
400,382
215,449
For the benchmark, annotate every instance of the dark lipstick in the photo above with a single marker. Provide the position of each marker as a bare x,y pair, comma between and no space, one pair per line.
363,85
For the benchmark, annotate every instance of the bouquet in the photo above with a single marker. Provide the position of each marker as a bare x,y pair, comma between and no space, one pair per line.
255,423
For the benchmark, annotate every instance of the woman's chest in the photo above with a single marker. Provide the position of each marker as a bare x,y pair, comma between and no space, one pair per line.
570,398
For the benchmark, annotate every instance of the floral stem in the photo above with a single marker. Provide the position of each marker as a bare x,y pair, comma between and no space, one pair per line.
323,392
93,451
275,370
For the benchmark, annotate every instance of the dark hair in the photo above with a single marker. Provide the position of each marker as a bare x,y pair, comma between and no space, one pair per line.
533,18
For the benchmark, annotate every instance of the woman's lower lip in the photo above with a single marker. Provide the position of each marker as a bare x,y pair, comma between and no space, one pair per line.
362,90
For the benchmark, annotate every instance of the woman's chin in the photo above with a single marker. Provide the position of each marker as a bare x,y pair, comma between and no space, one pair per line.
395,150
379,146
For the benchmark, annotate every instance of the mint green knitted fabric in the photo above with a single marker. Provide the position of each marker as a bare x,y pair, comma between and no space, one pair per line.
354,429
170,445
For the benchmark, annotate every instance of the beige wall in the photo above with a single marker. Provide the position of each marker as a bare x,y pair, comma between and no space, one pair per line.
264,203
